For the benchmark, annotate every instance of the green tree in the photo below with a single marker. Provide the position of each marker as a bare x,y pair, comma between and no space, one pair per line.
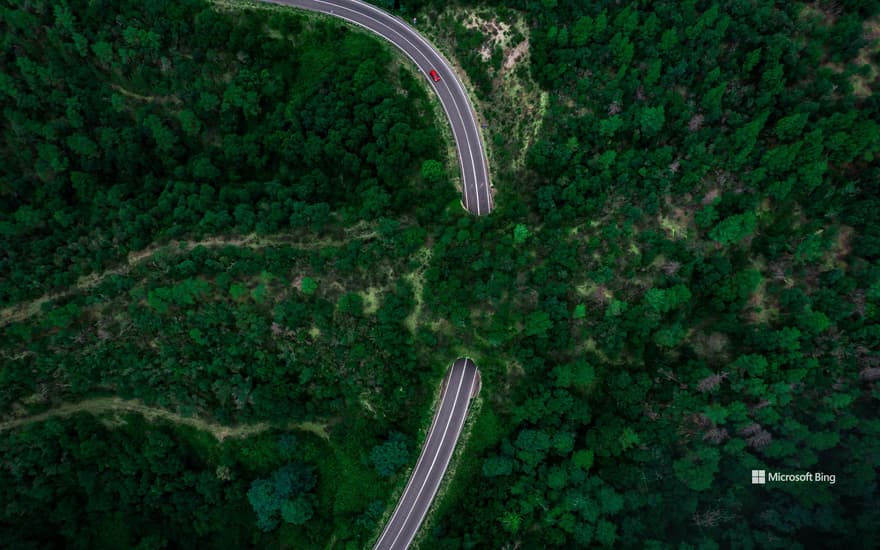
712,101
498,466
351,303
745,138
651,120
581,31
390,456
577,374
583,459
297,510
265,503
734,229
698,470
308,286
791,126
669,337
665,300
533,446
606,533
284,492
520,233
537,324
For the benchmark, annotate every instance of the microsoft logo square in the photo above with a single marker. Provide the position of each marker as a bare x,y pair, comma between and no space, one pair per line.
759,477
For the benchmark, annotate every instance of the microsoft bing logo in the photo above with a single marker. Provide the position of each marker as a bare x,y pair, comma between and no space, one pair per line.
761,477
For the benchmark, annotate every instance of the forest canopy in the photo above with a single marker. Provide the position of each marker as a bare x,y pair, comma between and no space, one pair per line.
245,219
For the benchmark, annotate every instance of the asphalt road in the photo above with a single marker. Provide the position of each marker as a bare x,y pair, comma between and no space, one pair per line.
477,198
461,383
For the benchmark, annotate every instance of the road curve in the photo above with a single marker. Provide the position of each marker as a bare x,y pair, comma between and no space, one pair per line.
477,197
462,382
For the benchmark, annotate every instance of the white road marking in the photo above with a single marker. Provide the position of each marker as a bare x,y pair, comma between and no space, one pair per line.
457,430
421,457
434,461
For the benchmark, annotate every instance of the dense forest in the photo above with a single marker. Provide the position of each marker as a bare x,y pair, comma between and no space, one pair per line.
214,201
248,216
129,123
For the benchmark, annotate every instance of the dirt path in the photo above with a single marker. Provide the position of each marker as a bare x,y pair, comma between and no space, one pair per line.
25,310
102,405
148,98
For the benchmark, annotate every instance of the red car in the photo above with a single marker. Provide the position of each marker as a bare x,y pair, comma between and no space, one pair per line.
435,76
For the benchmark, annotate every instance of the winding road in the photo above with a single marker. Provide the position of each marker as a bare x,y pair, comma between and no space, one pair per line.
476,192
462,382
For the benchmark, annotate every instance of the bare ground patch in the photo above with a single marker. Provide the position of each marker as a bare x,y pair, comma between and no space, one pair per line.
514,56
496,31
517,106
761,306
842,246
372,299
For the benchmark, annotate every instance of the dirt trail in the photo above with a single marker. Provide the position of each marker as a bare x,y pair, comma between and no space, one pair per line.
148,98
25,310
102,405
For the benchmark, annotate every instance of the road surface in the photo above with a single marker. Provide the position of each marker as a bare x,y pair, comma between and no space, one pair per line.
477,198
461,383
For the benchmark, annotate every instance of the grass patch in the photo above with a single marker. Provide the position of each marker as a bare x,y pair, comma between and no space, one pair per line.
372,299
417,279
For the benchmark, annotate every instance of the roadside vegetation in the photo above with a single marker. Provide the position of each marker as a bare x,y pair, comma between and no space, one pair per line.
489,47
245,217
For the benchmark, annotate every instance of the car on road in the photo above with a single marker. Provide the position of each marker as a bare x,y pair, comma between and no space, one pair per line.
435,76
